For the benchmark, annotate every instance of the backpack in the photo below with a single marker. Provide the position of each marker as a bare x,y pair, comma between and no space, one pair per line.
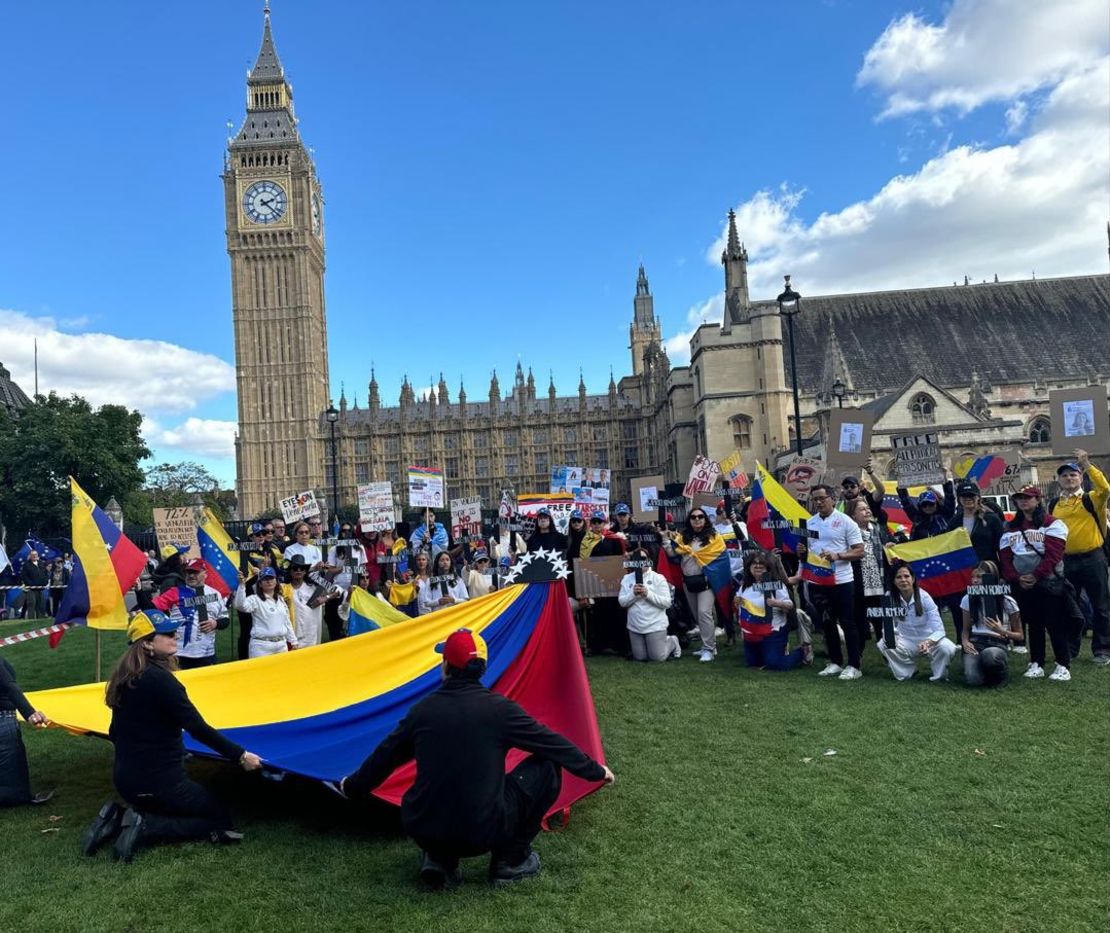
1099,524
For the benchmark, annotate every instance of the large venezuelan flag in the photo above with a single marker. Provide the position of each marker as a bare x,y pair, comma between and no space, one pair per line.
320,711
219,552
105,565
942,564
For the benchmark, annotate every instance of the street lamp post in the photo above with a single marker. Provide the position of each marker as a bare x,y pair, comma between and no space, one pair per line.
839,389
333,416
790,304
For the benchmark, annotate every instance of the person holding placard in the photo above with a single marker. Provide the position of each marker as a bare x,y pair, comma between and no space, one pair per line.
646,595
302,535
545,537
429,534
870,576
271,624
761,605
919,634
988,635
442,588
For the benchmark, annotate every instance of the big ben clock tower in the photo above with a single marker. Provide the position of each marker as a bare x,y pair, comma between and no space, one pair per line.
275,238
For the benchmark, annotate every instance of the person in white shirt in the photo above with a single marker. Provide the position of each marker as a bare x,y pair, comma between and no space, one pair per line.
443,588
302,544
479,582
271,628
761,605
920,633
839,541
208,614
647,604
308,606
986,640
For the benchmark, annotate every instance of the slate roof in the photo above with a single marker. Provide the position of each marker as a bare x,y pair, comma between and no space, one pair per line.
1006,331
12,397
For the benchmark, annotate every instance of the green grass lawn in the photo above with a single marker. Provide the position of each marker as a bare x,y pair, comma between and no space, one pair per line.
943,808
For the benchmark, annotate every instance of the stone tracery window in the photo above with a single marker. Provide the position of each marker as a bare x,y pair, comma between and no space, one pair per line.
741,431
923,408
1040,431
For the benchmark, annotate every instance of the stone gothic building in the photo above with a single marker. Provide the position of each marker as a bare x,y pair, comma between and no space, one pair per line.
977,358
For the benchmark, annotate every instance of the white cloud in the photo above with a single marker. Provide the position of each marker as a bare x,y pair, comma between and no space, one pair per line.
678,346
199,438
150,375
983,51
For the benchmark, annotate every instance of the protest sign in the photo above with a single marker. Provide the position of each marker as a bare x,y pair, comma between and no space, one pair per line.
1079,419
732,469
646,493
375,507
466,518
565,478
589,499
703,476
849,443
917,459
177,526
598,577
596,479
559,504
302,505
802,474
425,487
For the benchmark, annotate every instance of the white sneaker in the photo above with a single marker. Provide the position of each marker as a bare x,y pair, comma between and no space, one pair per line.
676,648
1020,649
831,671
1061,673
850,673
706,655
1102,660
1034,671
719,632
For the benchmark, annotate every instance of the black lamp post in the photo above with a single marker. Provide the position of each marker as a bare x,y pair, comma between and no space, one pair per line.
790,303
839,389
333,416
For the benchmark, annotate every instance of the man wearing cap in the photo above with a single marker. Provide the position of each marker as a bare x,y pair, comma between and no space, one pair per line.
199,611
1084,559
851,489
462,802
930,516
150,710
635,535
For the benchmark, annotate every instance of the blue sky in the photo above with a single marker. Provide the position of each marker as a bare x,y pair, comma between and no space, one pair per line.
495,171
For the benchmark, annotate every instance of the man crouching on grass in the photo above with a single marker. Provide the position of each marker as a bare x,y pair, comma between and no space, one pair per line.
462,803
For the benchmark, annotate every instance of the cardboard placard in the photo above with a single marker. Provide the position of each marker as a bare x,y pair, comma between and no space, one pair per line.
598,577
703,476
1079,420
425,487
565,478
559,504
302,505
802,475
646,493
917,459
177,526
732,470
466,518
849,442
375,507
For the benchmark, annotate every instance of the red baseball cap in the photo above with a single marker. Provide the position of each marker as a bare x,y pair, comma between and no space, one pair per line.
462,647
1031,491
196,565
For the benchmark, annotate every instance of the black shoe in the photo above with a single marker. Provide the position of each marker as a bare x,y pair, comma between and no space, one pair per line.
127,842
438,876
43,796
103,828
225,837
502,873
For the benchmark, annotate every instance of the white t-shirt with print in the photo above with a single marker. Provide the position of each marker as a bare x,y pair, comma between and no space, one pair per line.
838,533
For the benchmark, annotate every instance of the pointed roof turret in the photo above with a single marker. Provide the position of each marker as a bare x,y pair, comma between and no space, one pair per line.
462,394
494,388
612,382
551,383
270,118
267,67
342,397
642,282
734,249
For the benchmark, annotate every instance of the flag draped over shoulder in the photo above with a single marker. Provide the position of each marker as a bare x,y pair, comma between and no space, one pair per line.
320,711
714,562
368,613
105,565
942,564
219,553
771,501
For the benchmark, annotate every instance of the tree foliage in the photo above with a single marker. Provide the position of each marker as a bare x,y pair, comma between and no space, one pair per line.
173,485
57,437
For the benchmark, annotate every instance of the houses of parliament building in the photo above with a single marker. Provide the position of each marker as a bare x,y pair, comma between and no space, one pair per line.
967,358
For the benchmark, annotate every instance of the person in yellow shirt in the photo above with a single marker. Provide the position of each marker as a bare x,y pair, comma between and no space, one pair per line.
1085,563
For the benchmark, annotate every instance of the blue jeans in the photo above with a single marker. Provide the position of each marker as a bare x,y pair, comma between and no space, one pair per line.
15,782
771,653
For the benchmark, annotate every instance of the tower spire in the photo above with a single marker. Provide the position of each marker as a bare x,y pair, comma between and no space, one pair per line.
735,260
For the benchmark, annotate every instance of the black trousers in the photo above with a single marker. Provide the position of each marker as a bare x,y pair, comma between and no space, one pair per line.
1043,612
832,604
189,663
178,812
243,645
332,620
530,790
1087,573
607,627
15,781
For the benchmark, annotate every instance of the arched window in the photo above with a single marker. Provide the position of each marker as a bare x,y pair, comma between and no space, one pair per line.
1040,431
923,409
741,431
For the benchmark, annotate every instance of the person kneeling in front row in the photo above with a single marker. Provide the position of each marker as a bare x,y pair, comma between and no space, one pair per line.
150,708
647,604
919,634
462,802
986,641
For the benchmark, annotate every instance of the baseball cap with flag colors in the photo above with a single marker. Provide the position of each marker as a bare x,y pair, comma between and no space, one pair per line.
151,622
462,647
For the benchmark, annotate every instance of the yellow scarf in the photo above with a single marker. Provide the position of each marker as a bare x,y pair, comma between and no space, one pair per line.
589,542
704,555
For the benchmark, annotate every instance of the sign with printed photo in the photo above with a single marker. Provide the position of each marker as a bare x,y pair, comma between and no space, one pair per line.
1079,420
849,441
425,487
565,478
559,504
302,505
646,493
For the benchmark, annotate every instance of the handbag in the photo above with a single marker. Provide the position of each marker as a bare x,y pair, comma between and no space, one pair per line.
696,583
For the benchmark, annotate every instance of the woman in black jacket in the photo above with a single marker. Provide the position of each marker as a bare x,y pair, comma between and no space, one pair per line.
15,780
150,708
545,537
985,529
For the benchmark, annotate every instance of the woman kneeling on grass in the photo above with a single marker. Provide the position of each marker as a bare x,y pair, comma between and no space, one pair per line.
761,605
150,708
920,633
986,641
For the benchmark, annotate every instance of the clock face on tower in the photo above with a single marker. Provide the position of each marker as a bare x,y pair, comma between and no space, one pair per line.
316,223
264,202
